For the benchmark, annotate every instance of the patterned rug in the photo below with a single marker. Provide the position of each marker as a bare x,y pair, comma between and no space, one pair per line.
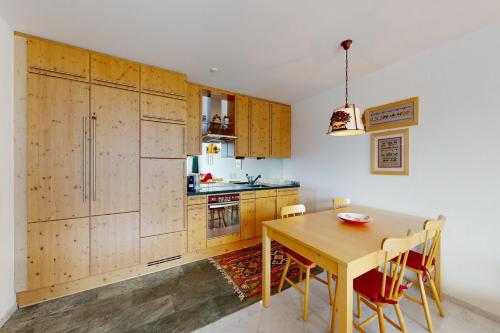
243,268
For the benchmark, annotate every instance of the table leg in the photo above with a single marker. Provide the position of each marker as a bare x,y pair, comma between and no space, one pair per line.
266,268
437,268
344,294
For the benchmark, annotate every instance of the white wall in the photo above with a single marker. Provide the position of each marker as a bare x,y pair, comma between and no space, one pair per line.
7,295
454,155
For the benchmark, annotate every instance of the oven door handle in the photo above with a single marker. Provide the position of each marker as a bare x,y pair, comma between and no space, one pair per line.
222,205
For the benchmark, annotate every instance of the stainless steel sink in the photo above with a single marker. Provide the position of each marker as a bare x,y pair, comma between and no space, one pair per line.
259,186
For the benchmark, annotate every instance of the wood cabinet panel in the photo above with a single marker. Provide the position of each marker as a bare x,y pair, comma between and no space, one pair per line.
247,195
247,219
265,193
197,200
159,81
163,246
163,195
114,242
265,210
281,121
260,127
116,157
160,108
242,127
193,140
197,227
286,200
163,140
58,142
115,72
54,59
58,251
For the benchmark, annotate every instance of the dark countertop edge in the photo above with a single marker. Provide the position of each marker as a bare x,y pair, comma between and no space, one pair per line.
241,190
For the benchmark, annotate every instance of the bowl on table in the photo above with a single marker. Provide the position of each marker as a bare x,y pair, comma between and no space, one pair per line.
355,218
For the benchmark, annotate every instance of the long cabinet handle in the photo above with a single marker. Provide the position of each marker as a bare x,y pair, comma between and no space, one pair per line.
184,140
94,146
57,71
164,118
164,92
115,82
84,159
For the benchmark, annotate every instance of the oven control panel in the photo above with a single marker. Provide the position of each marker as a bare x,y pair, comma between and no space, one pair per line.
222,198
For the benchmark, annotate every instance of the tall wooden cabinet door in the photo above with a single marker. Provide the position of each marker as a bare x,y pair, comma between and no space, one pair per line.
163,82
193,140
114,72
242,126
58,251
281,121
115,150
58,181
265,210
247,219
260,127
163,140
163,195
160,108
114,242
197,227
54,59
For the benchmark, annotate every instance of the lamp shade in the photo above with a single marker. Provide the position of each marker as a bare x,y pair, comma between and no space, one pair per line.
346,121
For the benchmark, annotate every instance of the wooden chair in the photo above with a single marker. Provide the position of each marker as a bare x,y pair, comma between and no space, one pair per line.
305,265
341,203
423,265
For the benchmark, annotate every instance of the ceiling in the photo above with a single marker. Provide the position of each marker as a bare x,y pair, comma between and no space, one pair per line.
284,50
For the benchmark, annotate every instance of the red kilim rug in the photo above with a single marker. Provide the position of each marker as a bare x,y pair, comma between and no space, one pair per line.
243,268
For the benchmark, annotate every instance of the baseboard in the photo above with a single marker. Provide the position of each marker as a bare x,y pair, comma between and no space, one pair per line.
473,308
9,313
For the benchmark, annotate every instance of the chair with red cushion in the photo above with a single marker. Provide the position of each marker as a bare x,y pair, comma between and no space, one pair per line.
304,264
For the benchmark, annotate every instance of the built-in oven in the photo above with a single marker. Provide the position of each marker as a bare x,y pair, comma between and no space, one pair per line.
223,215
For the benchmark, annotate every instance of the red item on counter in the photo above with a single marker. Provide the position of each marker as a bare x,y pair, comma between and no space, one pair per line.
205,177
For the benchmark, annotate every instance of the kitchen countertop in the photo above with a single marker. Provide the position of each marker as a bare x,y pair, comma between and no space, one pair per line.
215,188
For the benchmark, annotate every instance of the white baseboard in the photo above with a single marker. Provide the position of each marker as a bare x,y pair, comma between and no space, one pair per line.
7,315
473,308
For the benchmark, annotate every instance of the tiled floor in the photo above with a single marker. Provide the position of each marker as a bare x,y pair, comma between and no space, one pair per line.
285,315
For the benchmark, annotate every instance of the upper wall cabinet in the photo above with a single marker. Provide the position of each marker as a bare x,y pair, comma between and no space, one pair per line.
281,120
159,81
241,127
160,108
54,59
193,143
260,126
114,72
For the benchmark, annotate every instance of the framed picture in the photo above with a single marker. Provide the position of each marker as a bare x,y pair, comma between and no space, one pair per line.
390,152
393,115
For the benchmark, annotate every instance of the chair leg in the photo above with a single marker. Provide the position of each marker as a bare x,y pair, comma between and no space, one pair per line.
380,315
300,275
306,292
329,280
424,302
334,310
435,295
359,306
401,319
285,271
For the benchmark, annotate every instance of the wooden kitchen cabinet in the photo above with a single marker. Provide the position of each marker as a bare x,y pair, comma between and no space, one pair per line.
58,143
242,127
58,251
114,72
163,196
247,218
163,140
160,108
114,242
265,210
59,60
260,127
193,128
115,162
287,197
281,120
197,227
161,247
158,81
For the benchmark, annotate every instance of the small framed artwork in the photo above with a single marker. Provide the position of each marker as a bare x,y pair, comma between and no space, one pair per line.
390,152
393,115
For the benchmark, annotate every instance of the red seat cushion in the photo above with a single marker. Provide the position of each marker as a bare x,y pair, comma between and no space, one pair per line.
415,261
298,257
369,285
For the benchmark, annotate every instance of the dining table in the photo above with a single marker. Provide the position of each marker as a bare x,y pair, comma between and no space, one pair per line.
345,250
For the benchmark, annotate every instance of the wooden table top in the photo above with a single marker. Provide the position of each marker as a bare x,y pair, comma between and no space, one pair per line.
344,243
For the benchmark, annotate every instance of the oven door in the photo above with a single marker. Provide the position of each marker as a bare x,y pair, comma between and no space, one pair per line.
223,219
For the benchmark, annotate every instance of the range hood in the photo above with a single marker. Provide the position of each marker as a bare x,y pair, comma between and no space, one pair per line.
217,117
214,138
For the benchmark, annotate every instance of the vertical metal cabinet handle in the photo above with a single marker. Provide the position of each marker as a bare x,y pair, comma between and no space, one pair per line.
94,145
184,140
84,159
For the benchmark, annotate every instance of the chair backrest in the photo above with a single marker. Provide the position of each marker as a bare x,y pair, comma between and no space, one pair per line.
432,230
341,203
289,211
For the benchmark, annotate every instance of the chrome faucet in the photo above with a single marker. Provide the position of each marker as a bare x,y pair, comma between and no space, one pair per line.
251,180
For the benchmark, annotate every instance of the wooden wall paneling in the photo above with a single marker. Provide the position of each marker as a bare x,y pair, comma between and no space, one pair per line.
57,133
197,227
117,150
247,218
58,252
281,120
163,246
55,59
163,140
163,196
114,242
163,82
242,142
114,72
193,144
260,128
160,108
265,210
